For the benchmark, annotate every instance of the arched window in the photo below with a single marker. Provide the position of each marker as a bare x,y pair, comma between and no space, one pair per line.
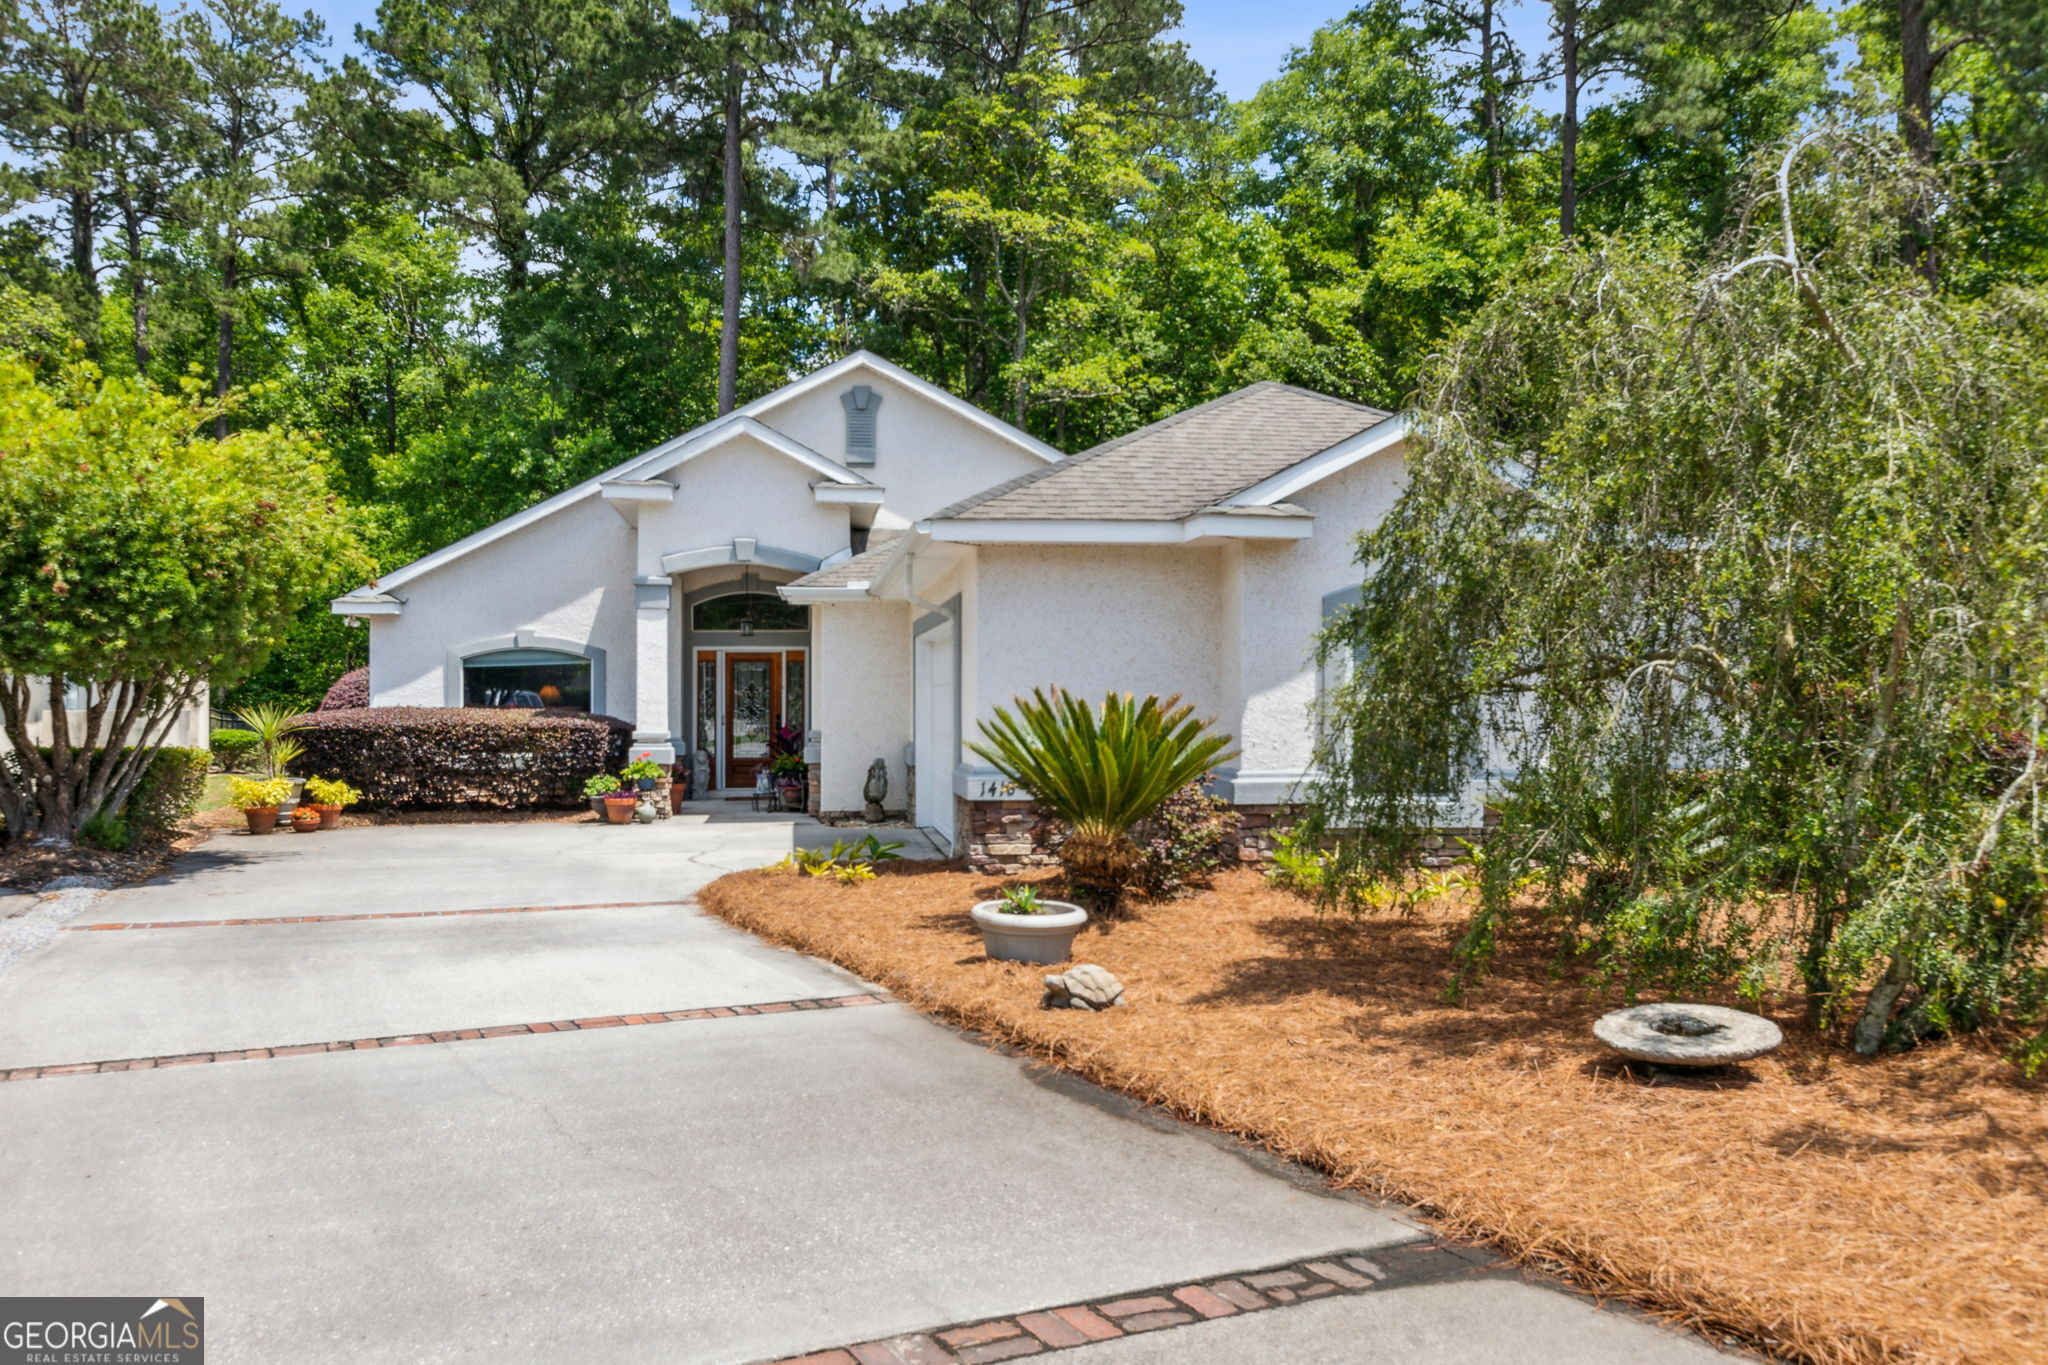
526,677
736,611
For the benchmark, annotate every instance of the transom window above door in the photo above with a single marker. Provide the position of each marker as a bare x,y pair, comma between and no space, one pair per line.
735,611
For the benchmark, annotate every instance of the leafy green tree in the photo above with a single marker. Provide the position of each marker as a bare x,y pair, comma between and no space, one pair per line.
140,560
1355,130
488,111
1714,84
250,59
82,91
1737,563
1028,182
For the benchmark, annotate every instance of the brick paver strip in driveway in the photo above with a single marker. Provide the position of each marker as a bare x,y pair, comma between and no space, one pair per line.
156,993
466,1035
708,1195
1166,1307
605,1191
344,919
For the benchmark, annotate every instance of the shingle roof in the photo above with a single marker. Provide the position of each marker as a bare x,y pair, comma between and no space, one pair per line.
862,568
1181,465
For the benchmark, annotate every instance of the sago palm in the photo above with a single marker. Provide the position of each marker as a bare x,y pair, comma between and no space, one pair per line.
1100,772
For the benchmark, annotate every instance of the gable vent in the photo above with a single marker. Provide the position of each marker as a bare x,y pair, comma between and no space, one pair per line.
861,404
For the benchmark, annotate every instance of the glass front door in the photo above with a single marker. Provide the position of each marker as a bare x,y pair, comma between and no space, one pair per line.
752,687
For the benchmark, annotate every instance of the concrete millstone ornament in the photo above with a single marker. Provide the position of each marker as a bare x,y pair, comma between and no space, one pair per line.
1086,987
1687,1035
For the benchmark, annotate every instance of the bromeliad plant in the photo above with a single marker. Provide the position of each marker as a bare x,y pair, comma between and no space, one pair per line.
1023,900
1100,772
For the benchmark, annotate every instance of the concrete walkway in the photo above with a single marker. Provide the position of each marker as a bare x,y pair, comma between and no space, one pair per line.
759,1171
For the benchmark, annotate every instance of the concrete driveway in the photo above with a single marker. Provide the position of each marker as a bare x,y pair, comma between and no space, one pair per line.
513,1099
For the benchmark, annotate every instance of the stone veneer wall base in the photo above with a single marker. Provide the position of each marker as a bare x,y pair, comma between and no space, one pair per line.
1005,838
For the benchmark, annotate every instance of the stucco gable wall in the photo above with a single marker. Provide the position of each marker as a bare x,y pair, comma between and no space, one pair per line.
567,576
926,457
1281,610
1101,618
740,489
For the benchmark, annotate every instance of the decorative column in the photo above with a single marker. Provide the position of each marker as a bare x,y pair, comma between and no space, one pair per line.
651,735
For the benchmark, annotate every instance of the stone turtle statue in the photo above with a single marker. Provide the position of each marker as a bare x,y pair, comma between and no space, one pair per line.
1086,987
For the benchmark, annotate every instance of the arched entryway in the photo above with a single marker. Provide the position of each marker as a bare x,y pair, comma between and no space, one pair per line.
747,676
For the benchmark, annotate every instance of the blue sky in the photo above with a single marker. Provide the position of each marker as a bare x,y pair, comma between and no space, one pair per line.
1242,41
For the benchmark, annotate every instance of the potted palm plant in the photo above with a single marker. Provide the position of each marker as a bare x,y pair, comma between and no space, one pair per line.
1099,773
274,725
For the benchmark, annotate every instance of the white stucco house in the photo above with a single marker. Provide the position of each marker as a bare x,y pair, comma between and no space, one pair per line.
870,559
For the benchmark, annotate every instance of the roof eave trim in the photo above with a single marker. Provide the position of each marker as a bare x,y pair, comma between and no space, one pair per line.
857,494
850,592
375,604
1341,456
1102,532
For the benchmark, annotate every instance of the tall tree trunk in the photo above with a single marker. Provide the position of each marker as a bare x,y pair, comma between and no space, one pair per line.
1568,128
1489,99
82,263
729,331
1916,81
1916,120
138,283
224,337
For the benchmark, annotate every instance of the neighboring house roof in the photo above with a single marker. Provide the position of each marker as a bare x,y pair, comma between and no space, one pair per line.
1182,466
376,593
860,569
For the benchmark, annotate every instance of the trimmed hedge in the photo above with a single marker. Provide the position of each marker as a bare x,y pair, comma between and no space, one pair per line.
170,790
461,756
350,690
234,750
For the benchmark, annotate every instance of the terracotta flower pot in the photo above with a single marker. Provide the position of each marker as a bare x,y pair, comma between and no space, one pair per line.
306,820
330,816
262,819
618,810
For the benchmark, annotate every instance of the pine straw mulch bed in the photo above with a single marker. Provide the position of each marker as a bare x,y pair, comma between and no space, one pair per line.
1812,1203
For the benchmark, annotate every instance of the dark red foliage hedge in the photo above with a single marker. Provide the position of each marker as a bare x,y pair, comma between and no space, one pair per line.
350,689
448,756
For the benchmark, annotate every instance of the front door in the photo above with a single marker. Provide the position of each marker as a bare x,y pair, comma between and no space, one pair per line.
753,682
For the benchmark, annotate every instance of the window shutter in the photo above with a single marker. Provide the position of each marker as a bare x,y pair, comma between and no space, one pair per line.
861,404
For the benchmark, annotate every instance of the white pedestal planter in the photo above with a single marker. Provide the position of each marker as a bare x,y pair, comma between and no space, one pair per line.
1047,937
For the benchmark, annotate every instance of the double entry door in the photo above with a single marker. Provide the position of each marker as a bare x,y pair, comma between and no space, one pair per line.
744,697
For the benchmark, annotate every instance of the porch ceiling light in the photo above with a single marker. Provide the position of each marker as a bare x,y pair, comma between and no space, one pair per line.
747,598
